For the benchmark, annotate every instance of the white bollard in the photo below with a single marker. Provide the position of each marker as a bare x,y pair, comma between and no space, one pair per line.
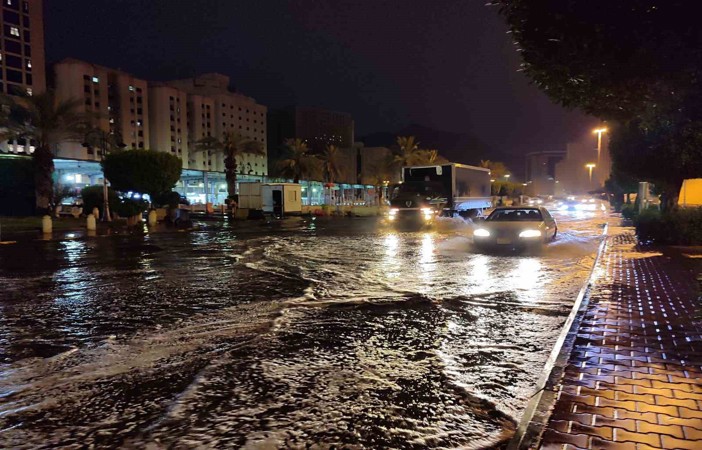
46,225
90,223
96,213
153,217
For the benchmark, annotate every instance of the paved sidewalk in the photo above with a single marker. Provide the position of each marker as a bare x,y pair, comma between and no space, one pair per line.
634,376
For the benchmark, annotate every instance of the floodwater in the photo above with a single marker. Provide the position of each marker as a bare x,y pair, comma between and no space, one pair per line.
300,334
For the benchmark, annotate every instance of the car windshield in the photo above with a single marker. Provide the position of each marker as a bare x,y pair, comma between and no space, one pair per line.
515,215
427,189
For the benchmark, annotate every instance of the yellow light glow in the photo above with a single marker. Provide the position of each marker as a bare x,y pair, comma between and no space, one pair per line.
599,130
590,165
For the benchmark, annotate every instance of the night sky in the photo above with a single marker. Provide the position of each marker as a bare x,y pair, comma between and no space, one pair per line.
445,64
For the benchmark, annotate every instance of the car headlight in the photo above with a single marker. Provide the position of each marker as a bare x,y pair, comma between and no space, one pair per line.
427,210
393,211
481,232
530,234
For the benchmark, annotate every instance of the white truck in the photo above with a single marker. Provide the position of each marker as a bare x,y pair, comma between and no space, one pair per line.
444,189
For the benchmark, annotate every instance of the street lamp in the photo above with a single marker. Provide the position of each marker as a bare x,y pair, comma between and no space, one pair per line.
590,166
507,176
598,132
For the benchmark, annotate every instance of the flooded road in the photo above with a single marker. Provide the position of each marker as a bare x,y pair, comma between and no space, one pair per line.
304,334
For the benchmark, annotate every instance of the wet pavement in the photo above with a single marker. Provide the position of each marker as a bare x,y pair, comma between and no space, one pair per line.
634,375
301,333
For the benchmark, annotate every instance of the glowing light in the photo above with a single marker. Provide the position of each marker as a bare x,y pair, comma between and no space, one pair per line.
530,234
481,232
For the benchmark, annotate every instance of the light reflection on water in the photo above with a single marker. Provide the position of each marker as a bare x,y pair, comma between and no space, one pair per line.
402,339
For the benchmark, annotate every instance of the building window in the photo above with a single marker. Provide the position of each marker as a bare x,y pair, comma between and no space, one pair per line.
11,17
13,47
131,88
14,31
29,64
96,80
13,61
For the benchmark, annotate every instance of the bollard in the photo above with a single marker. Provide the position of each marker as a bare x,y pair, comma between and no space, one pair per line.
153,218
46,225
90,223
96,213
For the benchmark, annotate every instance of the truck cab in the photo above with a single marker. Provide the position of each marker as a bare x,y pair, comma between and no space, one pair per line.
445,189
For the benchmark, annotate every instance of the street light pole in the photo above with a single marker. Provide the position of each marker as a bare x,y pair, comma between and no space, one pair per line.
590,166
106,216
599,132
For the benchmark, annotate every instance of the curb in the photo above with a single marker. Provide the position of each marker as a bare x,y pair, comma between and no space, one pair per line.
538,410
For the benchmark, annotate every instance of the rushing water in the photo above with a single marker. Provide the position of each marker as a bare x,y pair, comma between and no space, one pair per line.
308,332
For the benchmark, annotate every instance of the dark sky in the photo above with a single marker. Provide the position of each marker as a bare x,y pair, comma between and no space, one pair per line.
446,64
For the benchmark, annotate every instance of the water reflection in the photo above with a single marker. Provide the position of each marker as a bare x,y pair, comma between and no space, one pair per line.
214,320
526,277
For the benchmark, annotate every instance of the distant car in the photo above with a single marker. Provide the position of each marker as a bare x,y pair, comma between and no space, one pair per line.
515,227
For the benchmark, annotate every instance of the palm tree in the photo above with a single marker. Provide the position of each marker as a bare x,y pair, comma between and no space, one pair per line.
233,145
45,121
382,173
408,153
331,166
300,163
331,163
430,157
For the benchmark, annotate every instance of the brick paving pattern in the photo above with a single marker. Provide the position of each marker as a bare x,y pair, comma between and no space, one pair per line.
634,376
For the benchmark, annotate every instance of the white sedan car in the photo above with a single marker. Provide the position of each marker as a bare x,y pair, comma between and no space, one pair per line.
515,227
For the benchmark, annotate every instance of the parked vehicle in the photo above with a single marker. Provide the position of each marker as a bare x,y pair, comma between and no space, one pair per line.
515,228
446,189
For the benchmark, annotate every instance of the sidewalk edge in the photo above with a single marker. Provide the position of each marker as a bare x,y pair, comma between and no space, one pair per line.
538,410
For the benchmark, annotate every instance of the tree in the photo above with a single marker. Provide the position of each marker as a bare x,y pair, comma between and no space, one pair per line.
385,171
408,153
331,167
143,171
45,121
637,66
299,163
233,146
497,169
331,164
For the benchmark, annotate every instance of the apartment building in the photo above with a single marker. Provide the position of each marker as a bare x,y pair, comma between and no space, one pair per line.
168,121
225,111
22,64
117,100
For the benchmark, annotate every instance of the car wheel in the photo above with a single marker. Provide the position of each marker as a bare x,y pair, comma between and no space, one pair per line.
555,232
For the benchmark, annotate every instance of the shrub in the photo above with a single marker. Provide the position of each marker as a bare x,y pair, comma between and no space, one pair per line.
129,207
16,187
93,198
630,211
143,171
171,199
680,226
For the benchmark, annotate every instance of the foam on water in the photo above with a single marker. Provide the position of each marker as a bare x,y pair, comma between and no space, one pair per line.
373,339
